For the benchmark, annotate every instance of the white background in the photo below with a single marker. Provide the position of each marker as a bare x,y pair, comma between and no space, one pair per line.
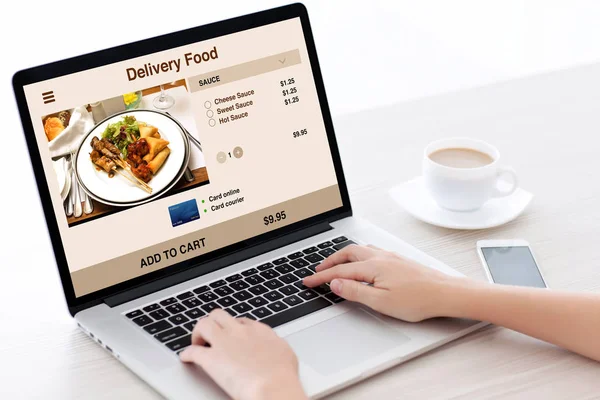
371,53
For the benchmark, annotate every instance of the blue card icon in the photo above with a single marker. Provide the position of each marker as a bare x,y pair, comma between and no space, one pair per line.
183,213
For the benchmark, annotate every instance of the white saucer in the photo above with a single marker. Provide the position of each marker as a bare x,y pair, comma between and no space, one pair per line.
413,197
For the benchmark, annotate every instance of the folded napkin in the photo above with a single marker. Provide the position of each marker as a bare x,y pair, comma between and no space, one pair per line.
68,141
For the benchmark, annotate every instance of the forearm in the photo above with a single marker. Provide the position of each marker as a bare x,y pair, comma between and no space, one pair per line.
569,320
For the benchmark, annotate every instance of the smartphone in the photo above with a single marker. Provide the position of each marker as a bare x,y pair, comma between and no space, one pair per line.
510,262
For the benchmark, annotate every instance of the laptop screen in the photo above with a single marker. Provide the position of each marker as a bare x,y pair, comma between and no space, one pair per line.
167,156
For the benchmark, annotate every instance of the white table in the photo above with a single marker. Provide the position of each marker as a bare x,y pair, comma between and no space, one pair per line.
546,127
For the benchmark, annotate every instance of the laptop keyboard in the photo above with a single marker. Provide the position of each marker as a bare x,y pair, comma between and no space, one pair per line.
272,293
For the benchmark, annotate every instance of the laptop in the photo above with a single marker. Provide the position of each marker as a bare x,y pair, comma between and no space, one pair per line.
200,170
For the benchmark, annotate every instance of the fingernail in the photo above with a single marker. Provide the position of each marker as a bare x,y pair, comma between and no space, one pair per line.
336,286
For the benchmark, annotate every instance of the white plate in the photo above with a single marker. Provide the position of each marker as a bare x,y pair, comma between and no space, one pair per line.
413,197
119,191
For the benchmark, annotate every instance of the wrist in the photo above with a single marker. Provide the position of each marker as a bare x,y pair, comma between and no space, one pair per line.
461,296
279,387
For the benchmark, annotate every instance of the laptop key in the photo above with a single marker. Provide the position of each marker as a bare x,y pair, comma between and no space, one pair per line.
280,261
308,294
159,314
289,278
292,301
264,267
322,289
343,244
258,302
231,312
170,334
258,290
226,301
178,319
134,314
289,290
273,284
314,258
185,295
223,291
143,320
180,343
277,306
313,267
249,316
190,325
151,307
261,312
299,263
295,255
250,271
233,278
208,307
326,244
201,289
157,327
326,252
175,308
168,301
310,250
334,298
208,296
242,295
272,296
191,303
339,239
296,312
242,308
218,283
239,285
303,273
300,285
269,274
195,313
284,268
254,280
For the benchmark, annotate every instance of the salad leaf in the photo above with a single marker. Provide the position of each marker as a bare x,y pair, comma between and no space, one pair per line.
123,132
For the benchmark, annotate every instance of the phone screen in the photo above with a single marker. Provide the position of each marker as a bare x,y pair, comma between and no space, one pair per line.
513,266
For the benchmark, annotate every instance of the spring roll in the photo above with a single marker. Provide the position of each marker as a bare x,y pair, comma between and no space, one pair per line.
149,131
159,160
156,146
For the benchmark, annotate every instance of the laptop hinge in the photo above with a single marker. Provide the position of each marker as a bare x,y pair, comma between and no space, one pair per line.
210,266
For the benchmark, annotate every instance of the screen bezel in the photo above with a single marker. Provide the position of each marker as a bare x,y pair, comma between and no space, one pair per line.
153,45
483,244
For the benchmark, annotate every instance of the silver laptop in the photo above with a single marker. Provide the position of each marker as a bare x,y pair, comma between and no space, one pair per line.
200,170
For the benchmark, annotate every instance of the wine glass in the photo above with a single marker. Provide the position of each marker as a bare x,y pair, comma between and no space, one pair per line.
163,101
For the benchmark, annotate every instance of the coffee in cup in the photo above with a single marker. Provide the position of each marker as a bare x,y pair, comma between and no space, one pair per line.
462,174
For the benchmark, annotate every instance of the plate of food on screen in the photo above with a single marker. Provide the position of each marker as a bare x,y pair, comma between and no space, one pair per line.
132,157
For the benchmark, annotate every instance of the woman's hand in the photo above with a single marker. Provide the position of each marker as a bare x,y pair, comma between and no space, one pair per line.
401,288
245,358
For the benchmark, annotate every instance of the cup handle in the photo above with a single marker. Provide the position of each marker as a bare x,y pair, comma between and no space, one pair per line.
513,177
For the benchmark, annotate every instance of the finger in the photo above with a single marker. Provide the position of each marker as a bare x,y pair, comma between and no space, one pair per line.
350,253
361,271
223,318
195,354
206,331
355,291
372,246
245,321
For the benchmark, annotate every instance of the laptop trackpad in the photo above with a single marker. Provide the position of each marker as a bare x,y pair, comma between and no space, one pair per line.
344,341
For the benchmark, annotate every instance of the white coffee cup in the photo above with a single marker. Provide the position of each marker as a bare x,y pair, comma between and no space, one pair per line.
465,187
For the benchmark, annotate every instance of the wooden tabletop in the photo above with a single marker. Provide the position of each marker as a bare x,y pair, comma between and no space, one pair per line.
546,127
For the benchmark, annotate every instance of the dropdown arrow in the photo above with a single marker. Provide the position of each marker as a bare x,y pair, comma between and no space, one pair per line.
282,61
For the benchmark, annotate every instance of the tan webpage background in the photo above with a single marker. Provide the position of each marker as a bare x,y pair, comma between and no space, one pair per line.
274,169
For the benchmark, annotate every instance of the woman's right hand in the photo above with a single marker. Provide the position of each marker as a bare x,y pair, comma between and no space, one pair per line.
401,288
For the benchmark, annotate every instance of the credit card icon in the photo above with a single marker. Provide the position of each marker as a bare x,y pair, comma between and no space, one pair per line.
183,213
